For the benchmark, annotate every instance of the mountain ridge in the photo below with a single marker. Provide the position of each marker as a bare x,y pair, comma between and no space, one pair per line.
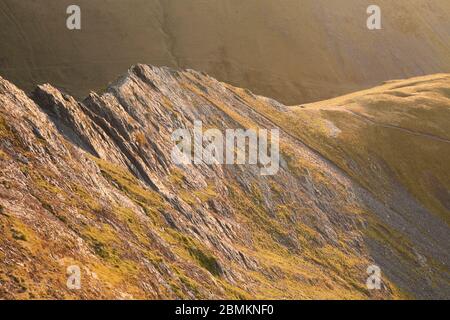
92,184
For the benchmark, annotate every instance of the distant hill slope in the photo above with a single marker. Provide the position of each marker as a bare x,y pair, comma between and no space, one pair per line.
93,184
296,51
401,127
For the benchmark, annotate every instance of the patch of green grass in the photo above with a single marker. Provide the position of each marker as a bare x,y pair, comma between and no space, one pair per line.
18,235
87,198
207,261
3,155
103,239
149,200
206,194
177,177
386,235
4,128
204,258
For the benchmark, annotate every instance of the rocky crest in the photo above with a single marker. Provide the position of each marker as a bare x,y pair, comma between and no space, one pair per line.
92,184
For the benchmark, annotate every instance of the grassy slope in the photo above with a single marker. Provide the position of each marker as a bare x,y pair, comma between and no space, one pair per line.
389,139
398,130
402,125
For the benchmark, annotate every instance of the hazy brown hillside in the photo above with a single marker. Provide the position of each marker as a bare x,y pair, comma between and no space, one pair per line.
294,50
93,184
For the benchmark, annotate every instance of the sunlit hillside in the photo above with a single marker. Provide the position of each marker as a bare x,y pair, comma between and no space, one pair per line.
363,180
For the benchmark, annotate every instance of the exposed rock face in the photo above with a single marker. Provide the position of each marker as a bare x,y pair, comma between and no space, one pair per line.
295,51
93,184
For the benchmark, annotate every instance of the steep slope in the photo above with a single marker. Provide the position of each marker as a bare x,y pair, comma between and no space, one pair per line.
393,140
404,124
93,184
291,50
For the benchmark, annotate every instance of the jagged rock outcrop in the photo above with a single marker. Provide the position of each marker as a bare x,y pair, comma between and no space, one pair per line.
93,184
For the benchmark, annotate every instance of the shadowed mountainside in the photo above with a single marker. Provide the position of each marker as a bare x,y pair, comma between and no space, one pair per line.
92,184
293,50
